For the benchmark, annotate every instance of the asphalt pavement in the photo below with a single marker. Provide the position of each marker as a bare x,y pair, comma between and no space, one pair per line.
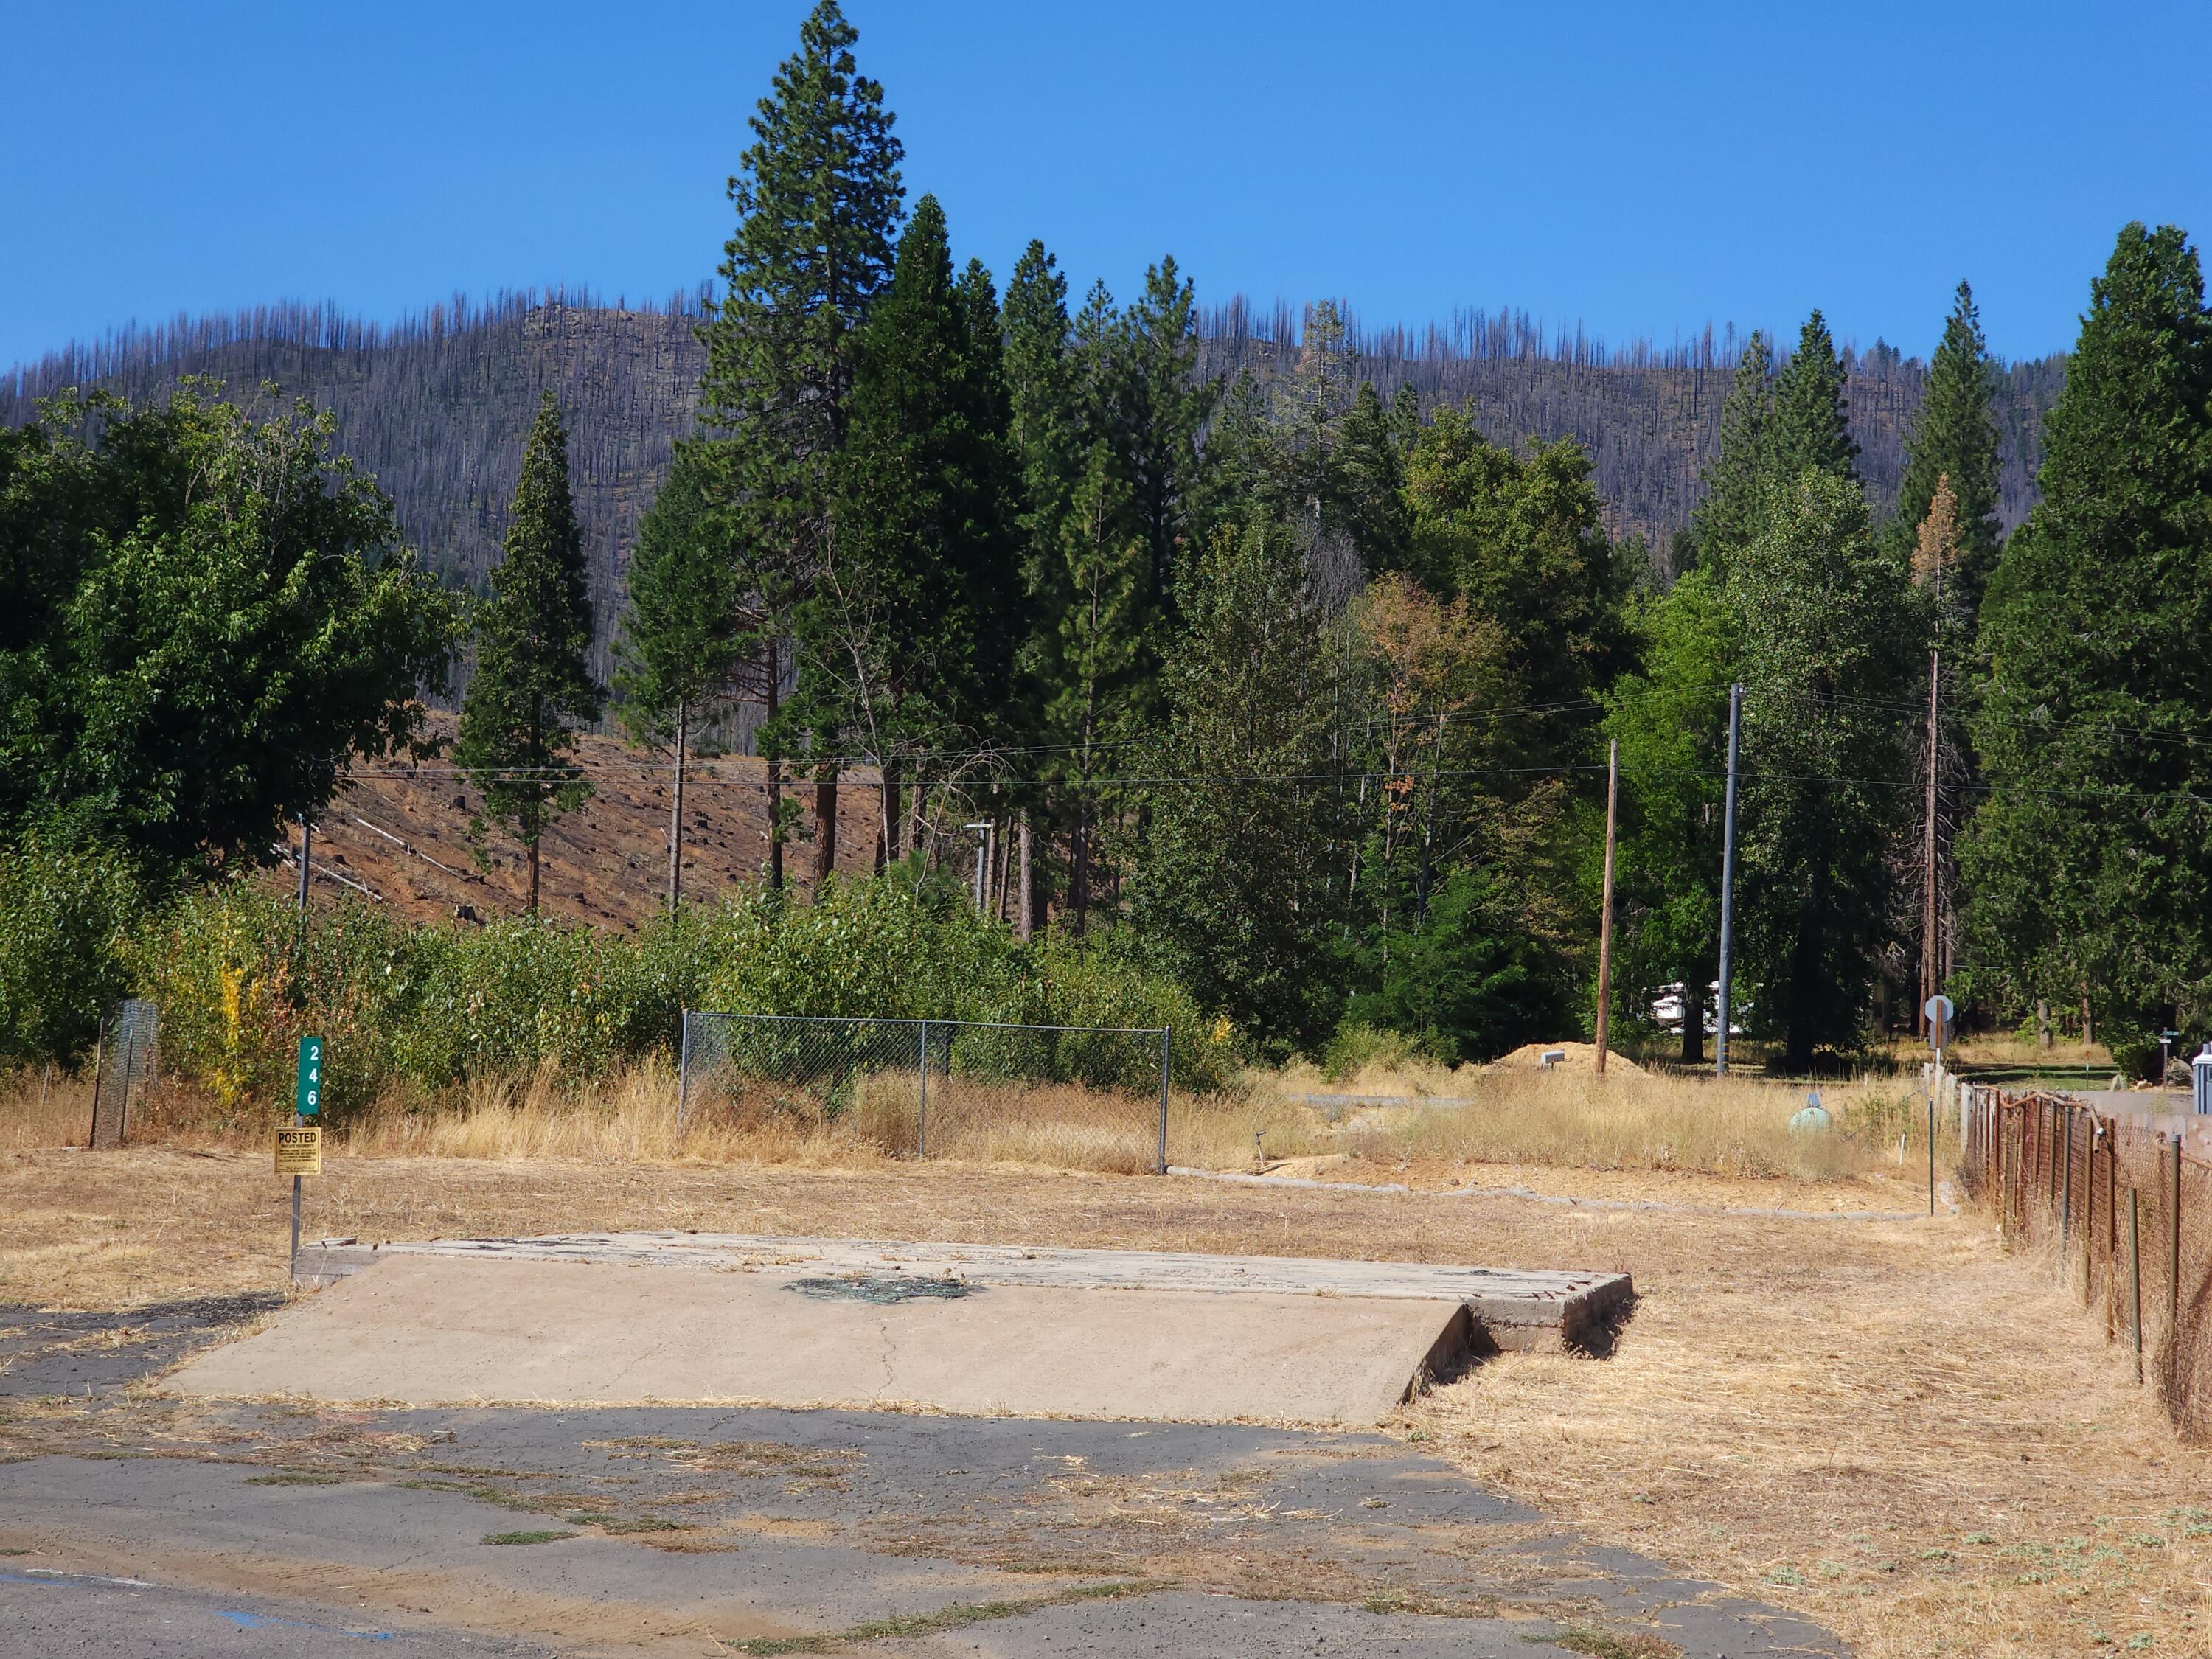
136,1525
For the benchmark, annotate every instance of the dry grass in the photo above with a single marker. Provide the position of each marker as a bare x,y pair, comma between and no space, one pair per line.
1891,1426
39,1110
1568,1118
1627,1119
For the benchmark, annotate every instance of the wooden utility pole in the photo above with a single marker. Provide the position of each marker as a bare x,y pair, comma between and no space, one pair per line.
1025,905
1605,911
1728,883
676,819
775,756
1928,959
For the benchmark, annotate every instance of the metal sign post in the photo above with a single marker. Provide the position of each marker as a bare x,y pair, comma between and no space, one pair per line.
300,1147
1940,1010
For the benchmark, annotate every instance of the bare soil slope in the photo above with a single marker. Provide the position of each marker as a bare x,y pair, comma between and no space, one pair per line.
402,837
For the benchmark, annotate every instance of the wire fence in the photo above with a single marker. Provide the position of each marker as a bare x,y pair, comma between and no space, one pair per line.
1079,1096
2124,1200
124,1058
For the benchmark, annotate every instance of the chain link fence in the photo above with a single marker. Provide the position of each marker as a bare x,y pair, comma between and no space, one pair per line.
2124,1202
1084,1096
123,1058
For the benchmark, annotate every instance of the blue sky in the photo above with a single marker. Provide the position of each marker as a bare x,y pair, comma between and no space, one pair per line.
1642,168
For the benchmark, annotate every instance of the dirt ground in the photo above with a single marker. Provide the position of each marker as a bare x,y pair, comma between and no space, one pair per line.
1887,1425
403,838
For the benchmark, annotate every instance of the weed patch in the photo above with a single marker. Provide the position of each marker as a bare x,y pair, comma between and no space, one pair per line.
958,1616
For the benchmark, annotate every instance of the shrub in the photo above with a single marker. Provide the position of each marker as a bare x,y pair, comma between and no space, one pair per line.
65,919
240,977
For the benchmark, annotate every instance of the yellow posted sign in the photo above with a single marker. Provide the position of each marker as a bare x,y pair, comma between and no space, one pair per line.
299,1150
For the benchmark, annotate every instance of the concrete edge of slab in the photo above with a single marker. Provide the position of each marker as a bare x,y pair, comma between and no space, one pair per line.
1510,1311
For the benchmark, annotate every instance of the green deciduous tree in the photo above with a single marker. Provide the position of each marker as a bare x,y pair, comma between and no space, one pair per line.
202,616
2089,865
532,686
1523,540
1670,716
67,916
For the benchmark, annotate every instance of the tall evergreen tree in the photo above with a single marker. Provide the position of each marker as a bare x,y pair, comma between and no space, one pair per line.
1238,888
1954,437
1372,478
2090,863
1811,425
910,631
1818,616
1165,407
817,197
1041,375
682,654
531,686
1727,518
1100,663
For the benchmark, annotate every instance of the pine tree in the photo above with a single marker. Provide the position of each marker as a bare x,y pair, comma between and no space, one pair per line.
1811,424
684,651
1939,555
531,687
1165,407
1239,887
909,633
1373,480
817,197
1726,519
1046,426
1101,657
1818,616
1955,436
2089,864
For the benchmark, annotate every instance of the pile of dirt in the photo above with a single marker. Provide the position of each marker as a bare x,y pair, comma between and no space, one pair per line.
1579,1057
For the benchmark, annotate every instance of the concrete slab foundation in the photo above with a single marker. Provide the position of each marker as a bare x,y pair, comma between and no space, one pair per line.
616,1318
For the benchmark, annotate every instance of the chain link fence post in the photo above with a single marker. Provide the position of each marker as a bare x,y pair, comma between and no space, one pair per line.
1167,1050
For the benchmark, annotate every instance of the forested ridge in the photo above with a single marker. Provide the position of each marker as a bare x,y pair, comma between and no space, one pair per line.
1261,664
435,405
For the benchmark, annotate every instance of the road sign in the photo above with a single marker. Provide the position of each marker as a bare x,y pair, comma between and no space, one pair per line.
311,1077
299,1150
1939,1009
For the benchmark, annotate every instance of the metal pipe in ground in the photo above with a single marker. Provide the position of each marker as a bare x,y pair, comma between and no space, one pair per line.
1728,883
683,1069
2173,1287
2066,1204
1932,1155
921,1105
2135,1277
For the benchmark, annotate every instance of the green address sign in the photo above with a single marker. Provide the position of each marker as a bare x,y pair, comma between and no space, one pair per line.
311,1076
